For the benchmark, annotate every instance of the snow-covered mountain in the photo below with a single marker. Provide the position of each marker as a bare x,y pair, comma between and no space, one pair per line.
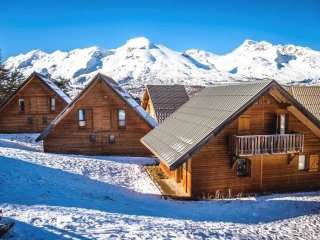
139,62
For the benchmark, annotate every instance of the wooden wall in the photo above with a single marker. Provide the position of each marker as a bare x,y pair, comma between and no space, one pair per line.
211,169
104,103
36,96
147,105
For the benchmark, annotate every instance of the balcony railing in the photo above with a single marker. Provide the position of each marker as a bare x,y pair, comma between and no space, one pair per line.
266,144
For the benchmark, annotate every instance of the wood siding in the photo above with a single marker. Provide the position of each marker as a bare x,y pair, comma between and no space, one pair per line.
181,175
212,169
101,104
36,97
147,105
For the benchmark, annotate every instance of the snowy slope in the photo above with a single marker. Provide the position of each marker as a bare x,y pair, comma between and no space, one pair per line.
56,196
286,64
139,62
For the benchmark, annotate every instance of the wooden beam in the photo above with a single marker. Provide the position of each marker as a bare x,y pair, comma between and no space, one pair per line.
233,160
291,157
304,120
145,99
278,96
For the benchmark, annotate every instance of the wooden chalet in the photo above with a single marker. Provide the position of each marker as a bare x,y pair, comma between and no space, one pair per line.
102,120
32,106
160,101
245,138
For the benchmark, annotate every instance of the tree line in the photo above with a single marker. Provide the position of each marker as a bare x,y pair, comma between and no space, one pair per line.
11,79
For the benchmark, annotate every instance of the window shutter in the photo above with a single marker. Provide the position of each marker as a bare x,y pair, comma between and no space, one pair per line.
26,104
33,105
249,167
89,118
274,126
48,105
287,123
314,163
244,124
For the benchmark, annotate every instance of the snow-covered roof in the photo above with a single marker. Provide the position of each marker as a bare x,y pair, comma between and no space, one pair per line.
129,100
118,90
54,87
46,81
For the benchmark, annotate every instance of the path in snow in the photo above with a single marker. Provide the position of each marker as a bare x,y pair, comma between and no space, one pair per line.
53,196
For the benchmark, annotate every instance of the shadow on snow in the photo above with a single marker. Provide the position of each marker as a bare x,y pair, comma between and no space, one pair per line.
8,143
22,230
26,183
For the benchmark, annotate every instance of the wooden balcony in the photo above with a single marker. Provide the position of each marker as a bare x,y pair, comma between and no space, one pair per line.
251,145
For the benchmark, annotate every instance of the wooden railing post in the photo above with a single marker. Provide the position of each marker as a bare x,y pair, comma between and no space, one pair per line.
266,144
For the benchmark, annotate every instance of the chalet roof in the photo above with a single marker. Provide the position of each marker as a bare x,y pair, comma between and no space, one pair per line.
118,90
309,97
166,99
54,88
202,117
46,81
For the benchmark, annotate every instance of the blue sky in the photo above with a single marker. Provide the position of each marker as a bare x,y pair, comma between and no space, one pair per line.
216,26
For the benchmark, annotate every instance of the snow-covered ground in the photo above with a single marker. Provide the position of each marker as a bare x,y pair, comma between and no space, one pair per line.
52,196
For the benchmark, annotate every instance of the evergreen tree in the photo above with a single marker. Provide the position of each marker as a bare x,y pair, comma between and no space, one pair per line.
62,83
10,79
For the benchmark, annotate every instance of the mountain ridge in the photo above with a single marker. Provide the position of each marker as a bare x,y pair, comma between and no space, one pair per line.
140,61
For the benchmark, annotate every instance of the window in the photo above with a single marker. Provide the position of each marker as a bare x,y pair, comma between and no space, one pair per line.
282,126
122,118
52,104
93,139
302,163
82,117
243,167
282,119
30,120
269,101
112,138
44,120
21,105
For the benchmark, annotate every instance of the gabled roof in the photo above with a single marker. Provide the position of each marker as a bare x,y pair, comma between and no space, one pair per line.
166,99
46,81
309,97
117,89
204,116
